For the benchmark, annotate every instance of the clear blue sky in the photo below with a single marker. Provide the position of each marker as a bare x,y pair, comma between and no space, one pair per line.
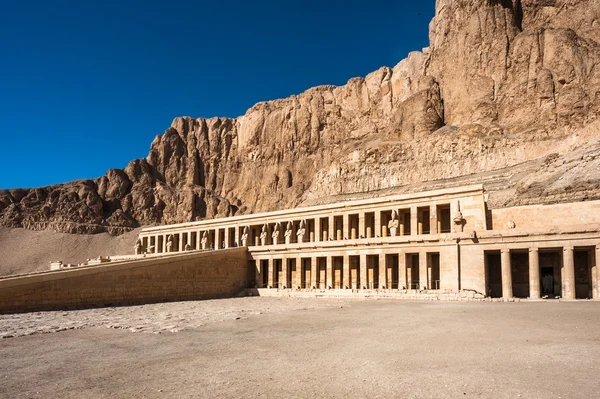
86,85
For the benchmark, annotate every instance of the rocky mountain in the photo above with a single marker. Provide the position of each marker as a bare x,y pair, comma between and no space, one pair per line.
504,82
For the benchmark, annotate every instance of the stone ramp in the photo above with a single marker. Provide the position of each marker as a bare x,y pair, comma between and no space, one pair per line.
188,276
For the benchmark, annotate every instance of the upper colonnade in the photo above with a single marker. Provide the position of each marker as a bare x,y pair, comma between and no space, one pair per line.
435,212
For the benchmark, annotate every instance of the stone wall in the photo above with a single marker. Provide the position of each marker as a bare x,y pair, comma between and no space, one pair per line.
544,216
196,275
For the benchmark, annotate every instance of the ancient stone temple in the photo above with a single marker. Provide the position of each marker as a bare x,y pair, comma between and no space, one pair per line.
436,242
444,244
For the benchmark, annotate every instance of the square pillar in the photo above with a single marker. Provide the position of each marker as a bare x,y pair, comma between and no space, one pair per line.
361,225
413,221
217,239
198,238
423,271
433,225
180,242
299,273
534,273
346,225
378,223
164,243
507,291
568,274
329,273
363,271
271,277
257,275
285,270
596,274
332,228
317,222
314,272
346,271
236,235
382,259
226,237
401,270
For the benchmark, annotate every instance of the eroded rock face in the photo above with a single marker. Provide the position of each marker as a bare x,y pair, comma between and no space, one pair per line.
503,82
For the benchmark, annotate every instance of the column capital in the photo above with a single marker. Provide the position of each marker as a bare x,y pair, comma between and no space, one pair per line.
568,248
534,249
505,250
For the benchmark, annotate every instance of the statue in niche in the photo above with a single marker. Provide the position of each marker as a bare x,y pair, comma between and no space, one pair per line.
459,220
138,246
263,235
301,231
169,242
245,236
393,224
288,232
204,240
276,233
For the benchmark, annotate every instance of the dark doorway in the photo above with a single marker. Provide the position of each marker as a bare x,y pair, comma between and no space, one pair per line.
583,274
493,275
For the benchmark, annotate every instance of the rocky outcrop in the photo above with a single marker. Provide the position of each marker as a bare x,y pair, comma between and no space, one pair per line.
503,82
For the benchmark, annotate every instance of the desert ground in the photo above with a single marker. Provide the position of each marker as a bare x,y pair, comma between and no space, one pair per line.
286,347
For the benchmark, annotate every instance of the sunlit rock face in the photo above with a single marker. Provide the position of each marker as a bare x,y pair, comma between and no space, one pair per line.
503,82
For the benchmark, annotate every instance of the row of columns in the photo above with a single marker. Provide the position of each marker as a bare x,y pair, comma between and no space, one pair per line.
568,274
160,242
363,268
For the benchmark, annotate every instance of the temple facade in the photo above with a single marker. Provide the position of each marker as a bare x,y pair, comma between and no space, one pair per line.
446,240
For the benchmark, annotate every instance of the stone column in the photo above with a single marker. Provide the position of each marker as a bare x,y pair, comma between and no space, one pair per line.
164,243
318,236
346,225
218,239
346,271
156,248
314,272
382,259
198,238
568,274
226,237
401,270
299,272
272,271
433,225
189,238
507,291
332,227
413,221
283,283
329,273
534,273
180,242
257,275
236,236
361,225
363,271
423,271
596,274
378,223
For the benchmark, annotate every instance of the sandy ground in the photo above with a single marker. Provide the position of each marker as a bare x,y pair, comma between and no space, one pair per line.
283,347
26,251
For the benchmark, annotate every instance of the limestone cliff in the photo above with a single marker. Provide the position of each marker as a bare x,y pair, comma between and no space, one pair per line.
503,82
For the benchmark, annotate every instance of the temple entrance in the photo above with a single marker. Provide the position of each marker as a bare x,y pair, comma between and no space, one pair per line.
519,264
550,274
412,271
547,283
493,275
583,273
264,274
